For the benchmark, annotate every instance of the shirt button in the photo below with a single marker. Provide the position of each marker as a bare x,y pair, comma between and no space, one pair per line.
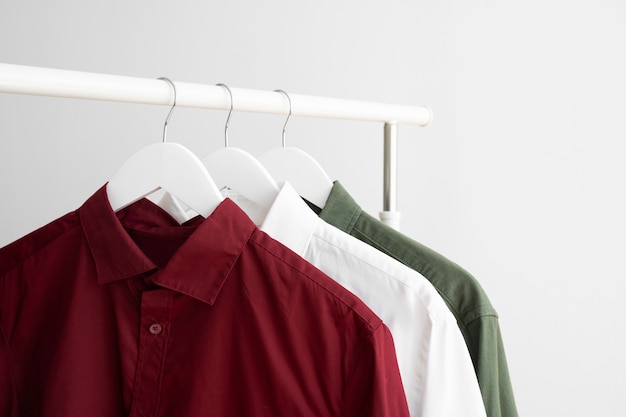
155,328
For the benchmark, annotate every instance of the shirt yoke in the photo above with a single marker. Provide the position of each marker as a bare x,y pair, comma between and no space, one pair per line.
17,252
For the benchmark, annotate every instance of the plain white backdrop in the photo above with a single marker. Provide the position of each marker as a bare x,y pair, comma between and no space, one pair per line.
519,179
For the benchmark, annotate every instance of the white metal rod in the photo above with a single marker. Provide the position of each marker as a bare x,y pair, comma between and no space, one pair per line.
20,79
390,214
390,167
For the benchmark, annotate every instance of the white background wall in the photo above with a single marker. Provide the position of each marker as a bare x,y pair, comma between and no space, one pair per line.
520,178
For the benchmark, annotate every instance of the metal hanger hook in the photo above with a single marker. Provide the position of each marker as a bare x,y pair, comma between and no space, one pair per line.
167,119
288,116
230,93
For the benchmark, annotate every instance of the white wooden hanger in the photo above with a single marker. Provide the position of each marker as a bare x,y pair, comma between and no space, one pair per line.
299,168
238,170
168,166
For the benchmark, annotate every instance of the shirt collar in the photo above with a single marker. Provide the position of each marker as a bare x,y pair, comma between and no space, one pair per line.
290,221
340,209
199,267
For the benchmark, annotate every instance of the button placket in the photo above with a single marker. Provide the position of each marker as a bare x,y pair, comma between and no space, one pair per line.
156,307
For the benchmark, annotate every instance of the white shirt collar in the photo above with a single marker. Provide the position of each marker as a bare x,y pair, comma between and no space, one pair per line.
290,220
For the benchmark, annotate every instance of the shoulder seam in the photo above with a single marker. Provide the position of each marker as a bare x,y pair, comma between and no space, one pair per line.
371,326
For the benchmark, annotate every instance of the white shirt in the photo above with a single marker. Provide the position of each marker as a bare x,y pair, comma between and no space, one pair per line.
435,365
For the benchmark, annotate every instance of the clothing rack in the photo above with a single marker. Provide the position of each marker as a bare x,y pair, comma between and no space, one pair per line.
20,79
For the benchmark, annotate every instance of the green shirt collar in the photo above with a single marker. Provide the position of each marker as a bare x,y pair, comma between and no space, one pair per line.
341,209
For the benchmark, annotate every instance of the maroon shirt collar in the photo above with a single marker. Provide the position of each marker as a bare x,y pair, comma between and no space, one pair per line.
199,267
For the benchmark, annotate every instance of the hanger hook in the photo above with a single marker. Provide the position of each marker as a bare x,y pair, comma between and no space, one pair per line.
167,119
230,93
288,116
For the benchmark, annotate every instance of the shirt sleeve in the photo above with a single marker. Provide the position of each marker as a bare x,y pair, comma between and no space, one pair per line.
375,387
485,341
450,375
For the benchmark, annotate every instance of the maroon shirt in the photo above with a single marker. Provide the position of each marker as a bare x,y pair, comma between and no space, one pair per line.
108,314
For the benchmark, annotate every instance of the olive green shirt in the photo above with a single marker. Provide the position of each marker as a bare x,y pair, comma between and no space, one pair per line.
467,300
